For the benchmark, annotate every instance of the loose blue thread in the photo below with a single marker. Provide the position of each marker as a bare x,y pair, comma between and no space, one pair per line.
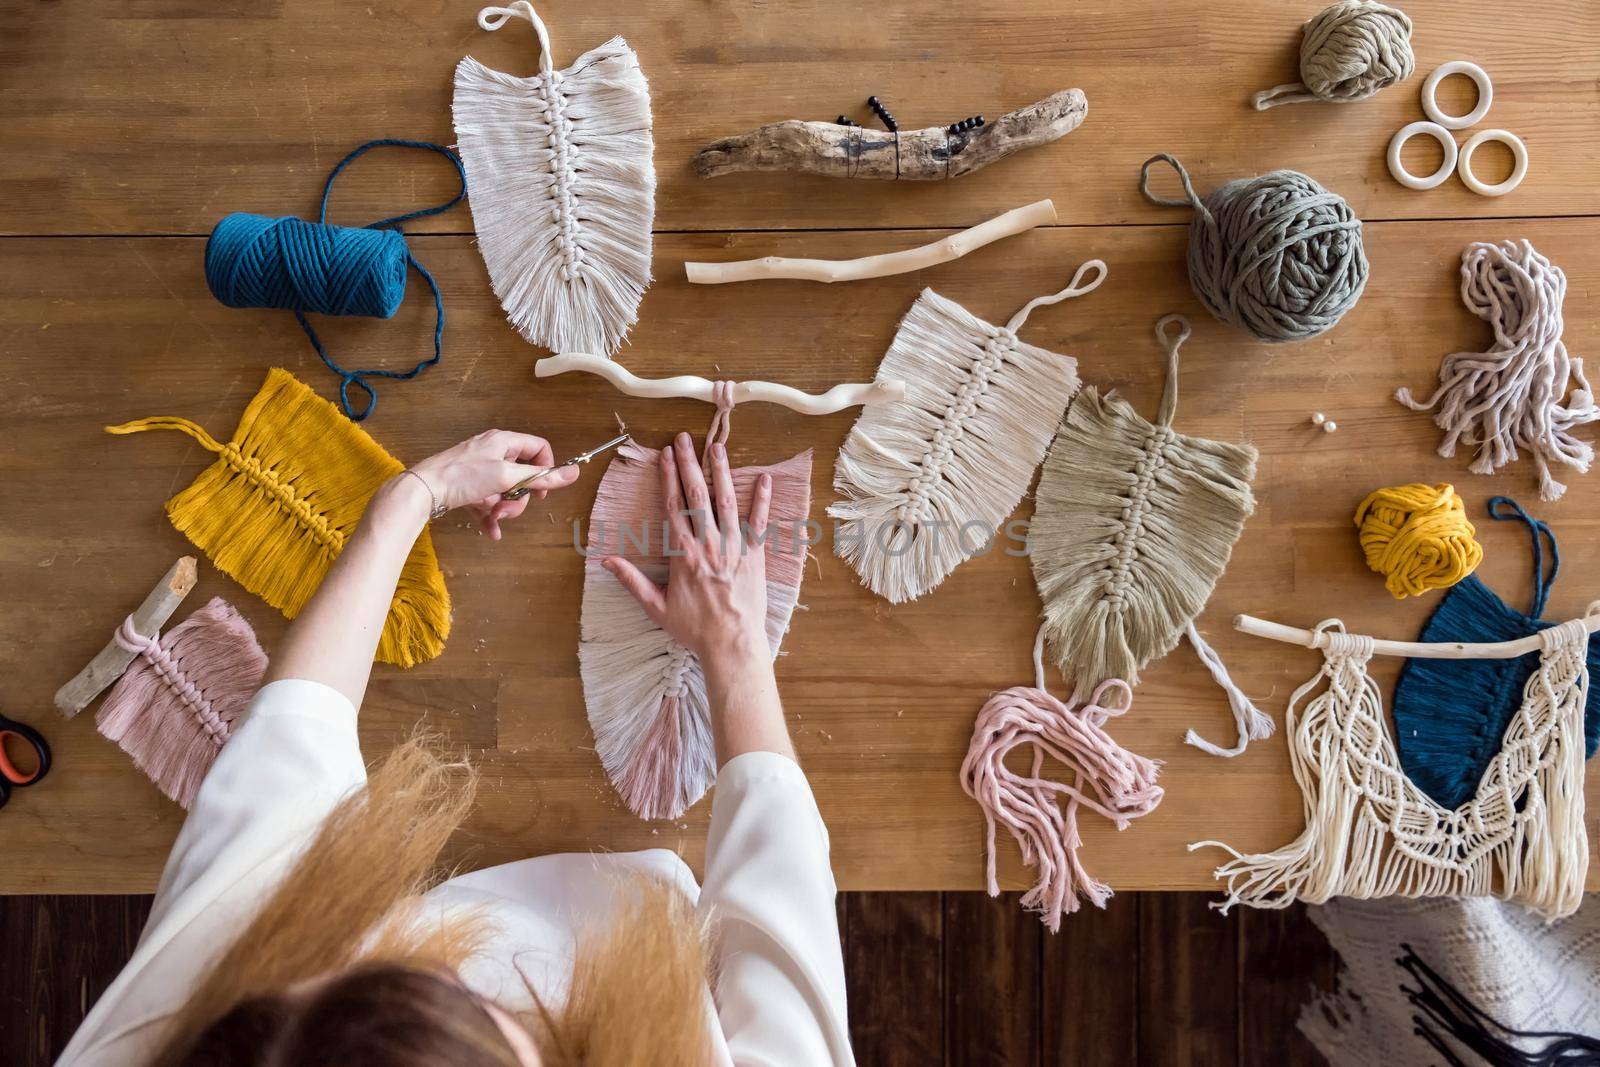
254,261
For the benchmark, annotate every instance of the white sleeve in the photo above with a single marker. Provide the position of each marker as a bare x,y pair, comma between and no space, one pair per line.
293,759
769,890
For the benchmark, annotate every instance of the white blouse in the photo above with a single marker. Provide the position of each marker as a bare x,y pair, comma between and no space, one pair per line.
769,892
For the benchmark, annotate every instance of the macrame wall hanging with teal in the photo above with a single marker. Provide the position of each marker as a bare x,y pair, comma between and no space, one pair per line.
1450,715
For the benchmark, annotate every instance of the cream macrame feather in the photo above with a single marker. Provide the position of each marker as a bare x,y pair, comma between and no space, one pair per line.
930,480
562,188
1133,525
1370,832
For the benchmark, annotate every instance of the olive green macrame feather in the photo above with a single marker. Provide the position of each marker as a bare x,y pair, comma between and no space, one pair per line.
1132,527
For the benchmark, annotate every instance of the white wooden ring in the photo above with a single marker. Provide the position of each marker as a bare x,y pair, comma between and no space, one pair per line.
1438,133
1519,166
1458,122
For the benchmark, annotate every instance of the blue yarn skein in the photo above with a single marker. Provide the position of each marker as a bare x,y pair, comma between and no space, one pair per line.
255,261
1451,716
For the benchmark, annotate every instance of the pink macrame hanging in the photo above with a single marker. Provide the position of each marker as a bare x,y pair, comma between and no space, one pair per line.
1106,778
175,706
646,694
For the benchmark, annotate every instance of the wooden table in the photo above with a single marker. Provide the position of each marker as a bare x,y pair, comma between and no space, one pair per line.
128,129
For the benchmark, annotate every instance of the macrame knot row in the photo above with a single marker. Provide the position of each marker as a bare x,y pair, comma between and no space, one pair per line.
1418,537
953,424
564,171
1348,52
1106,778
677,669
131,640
267,478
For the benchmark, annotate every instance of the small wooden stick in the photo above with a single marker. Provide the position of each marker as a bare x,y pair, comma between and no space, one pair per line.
109,663
931,154
1293,635
692,388
1013,222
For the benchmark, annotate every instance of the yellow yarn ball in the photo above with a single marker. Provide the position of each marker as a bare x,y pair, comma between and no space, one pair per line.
1417,537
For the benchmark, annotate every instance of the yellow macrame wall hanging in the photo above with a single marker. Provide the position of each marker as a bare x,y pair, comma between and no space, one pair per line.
276,508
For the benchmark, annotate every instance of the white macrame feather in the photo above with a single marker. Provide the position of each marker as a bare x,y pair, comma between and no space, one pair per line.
928,481
562,189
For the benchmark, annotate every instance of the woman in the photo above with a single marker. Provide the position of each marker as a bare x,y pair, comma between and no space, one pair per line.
293,923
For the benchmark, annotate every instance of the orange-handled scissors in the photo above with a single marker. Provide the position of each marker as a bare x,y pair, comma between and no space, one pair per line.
10,774
526,486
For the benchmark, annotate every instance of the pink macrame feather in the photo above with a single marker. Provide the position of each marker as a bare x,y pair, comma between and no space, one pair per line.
175,706
1106,778
645,693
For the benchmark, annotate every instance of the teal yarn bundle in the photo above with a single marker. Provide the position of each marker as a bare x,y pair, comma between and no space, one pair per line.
1277,255
256,261
1451,715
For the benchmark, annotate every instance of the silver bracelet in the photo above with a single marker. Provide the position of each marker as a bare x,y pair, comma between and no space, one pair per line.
438,510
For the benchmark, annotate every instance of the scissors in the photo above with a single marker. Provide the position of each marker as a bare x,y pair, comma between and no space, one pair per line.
524,487
10,774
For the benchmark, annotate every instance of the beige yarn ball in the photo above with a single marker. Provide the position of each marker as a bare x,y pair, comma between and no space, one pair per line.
1348,52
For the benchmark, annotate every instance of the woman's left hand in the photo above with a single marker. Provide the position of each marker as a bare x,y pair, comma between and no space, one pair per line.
473,474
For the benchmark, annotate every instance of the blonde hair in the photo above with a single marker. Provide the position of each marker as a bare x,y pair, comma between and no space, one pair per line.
340,946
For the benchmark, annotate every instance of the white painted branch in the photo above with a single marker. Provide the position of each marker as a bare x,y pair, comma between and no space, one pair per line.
690,387
1293,635
1013,222
109,663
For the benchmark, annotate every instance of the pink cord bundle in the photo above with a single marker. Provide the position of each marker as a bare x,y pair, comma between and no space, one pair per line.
1105,778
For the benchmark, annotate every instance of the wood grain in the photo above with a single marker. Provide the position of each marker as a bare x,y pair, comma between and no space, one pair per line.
1090,987
992,981
1284,961
160,116
61,954
892,951
1188,982
880,698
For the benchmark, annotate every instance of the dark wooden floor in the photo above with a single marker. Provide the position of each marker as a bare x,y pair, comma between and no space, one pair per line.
935,978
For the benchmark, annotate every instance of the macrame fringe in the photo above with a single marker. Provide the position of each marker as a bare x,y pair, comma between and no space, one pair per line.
930,481
1133,526
176,705
276,508
1106,778
645,693
1370,832
1526,392
563,193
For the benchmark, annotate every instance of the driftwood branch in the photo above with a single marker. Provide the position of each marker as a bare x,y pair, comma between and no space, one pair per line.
690,387
1275,631
109,663
1015,221
933,154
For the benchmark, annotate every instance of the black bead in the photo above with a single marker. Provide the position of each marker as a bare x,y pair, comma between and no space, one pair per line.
978,121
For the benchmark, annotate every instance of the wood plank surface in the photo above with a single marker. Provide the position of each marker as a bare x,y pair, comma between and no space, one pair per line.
880,697
159,116
1188,981
1085,994
992,980
1090,987
893,946
128,129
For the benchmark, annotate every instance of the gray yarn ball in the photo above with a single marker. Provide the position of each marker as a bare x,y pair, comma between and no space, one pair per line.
1348,52
1277,255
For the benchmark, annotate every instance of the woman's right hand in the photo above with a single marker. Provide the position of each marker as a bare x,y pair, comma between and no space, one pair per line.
475,472
715,600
